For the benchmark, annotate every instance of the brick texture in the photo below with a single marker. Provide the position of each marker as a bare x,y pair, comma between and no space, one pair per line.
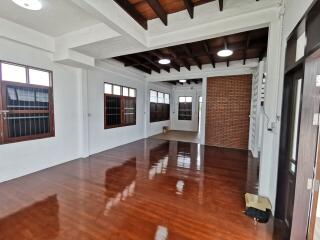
227,111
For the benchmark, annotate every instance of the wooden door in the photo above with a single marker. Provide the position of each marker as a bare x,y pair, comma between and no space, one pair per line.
313,230
314,222
298,145
289,146
1,115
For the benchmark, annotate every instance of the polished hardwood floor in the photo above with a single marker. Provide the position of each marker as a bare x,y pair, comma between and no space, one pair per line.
147,190
181,136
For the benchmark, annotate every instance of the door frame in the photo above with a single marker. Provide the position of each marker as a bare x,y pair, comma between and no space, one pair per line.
1,109
315,195
307,150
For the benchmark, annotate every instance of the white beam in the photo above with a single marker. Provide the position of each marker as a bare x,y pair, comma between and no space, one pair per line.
92,34
208,24
24,35
111,14
73,58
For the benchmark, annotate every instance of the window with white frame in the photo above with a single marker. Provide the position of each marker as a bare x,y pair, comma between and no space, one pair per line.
159,106
119,106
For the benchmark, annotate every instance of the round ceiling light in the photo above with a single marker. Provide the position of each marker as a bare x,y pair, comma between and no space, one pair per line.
29,4
164,61
225,53
182,81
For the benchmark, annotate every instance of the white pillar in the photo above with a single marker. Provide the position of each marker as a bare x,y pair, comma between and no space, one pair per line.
269,153
203,113
84,146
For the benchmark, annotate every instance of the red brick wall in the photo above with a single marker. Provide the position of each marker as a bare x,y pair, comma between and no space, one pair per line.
227,111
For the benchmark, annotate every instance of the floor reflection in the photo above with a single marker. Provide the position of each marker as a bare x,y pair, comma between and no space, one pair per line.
149,189
32,222
120,183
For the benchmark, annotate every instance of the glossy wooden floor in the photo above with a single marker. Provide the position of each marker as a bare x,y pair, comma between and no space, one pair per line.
182,136
150,189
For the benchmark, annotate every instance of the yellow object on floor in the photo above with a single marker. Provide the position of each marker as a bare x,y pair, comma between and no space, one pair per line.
258,202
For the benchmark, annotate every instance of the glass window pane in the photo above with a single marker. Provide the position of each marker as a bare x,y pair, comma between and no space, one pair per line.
12,94
125,91
200,99
132,92
26,95
13,73
116,90
38,77
160,97
42,97
182,99
188,99
167,98
296,113
107,88
153,96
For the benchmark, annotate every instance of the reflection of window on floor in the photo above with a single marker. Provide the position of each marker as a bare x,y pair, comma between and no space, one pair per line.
161,233
183,157
183,161
198,157
121,196
159,168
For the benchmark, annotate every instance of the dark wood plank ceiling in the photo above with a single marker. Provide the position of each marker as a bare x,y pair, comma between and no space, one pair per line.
144,10
246,45
188,81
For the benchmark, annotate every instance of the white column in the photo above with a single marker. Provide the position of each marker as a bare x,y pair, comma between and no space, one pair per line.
269,153
203,113
84,147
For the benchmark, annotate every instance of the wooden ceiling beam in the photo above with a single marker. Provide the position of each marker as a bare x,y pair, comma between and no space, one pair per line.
182,60
189,53
207,50
190,7
158,9
185,63
221,5
130,9
159,55
152,62
142,68
135,60
175,66
247,47
263,54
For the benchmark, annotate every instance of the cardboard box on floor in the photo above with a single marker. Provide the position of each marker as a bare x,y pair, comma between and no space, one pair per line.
258,202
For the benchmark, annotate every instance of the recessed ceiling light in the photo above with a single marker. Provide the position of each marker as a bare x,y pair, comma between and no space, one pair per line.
225,53
164,61
29,4
183,81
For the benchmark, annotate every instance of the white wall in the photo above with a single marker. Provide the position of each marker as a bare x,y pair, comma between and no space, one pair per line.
156,127
194,91
19,159
101,139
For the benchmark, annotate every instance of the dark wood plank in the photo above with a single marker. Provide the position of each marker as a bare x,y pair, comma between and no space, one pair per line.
190,7
158,9
221,5
133,12
189,53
